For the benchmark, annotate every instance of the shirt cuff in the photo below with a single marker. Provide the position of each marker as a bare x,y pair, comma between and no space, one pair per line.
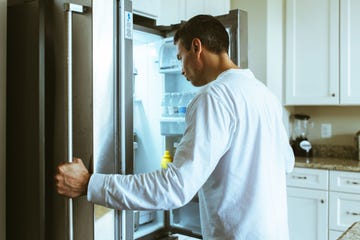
97,188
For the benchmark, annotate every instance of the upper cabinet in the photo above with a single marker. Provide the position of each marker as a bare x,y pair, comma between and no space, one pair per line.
174,11
350,52
321,52
147,8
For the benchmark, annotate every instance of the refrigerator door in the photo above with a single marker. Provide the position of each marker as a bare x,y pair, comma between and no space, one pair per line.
125,219
101,110
236,25
50,116
105,109
86,114
69,40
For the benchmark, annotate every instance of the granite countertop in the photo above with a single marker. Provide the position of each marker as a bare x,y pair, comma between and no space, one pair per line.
352,233
339,164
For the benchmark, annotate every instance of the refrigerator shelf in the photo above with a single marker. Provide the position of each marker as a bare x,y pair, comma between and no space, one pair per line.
172,119
170,126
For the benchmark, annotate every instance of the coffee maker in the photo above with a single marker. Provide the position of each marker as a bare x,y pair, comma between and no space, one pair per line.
300,130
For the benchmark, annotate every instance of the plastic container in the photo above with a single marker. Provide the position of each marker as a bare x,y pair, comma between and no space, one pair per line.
166,159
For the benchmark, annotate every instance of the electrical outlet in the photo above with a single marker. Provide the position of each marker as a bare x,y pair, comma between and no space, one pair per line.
326,130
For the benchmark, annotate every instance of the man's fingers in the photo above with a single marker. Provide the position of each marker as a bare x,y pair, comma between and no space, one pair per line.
77,160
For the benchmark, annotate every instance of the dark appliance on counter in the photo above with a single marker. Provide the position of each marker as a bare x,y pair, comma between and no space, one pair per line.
300,132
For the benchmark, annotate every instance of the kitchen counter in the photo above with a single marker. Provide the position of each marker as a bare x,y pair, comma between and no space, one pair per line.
352,233
339,164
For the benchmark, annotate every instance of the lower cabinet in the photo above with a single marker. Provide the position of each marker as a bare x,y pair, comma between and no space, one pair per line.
308,204
344,192
322,204
307,214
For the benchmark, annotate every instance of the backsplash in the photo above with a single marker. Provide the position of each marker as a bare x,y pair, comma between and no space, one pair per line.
344,120
334,151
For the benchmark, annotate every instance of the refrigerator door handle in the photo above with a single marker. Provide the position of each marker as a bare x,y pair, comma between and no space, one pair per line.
69,9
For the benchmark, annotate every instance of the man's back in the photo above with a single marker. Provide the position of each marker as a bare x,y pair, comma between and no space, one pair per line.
235,118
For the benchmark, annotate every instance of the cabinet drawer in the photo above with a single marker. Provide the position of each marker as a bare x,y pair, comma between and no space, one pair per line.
308,178
344,210
345,181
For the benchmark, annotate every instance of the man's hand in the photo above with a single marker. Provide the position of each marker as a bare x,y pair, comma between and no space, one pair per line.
72,178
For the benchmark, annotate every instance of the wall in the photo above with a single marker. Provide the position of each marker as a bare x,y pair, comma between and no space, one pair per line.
3,10
345,121
266,43
256,34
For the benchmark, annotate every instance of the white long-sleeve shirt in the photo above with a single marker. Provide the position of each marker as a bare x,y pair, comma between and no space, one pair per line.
234,153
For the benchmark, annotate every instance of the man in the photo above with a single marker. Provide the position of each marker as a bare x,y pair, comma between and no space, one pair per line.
234,153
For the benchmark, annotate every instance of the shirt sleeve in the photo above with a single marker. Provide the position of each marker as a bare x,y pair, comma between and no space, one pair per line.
205,140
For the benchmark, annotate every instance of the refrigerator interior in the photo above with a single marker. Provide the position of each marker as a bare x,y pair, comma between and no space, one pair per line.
150,84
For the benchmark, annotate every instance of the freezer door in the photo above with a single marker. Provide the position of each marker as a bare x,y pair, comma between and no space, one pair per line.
69,40
236,25
87,100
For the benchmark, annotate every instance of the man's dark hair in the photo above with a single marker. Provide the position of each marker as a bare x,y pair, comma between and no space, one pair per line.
208,29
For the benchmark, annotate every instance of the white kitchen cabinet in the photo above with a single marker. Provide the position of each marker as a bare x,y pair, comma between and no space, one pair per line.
171,12
174,11
322,204
308,178
350,52
312,47
307,211
348,182
344,206
344,210
213,7
307,196
147,8
322,51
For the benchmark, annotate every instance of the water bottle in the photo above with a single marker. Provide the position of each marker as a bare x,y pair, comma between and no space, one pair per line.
176,103
170,106
183,102
173,104
165,105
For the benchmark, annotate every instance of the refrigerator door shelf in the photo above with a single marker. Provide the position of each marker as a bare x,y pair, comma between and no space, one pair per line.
170,126
168,61
143,217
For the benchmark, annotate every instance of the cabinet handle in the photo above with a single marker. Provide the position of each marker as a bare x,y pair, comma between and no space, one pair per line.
322,201
352,213
333,94
300,177
352,182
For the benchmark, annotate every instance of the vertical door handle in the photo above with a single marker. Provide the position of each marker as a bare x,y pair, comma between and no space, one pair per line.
70,8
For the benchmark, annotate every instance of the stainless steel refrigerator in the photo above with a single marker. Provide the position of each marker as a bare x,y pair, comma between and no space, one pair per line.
73,89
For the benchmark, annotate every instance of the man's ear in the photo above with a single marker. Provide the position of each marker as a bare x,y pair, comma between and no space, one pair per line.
196,45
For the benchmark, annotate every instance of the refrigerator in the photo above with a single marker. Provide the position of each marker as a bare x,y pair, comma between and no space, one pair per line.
86,79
